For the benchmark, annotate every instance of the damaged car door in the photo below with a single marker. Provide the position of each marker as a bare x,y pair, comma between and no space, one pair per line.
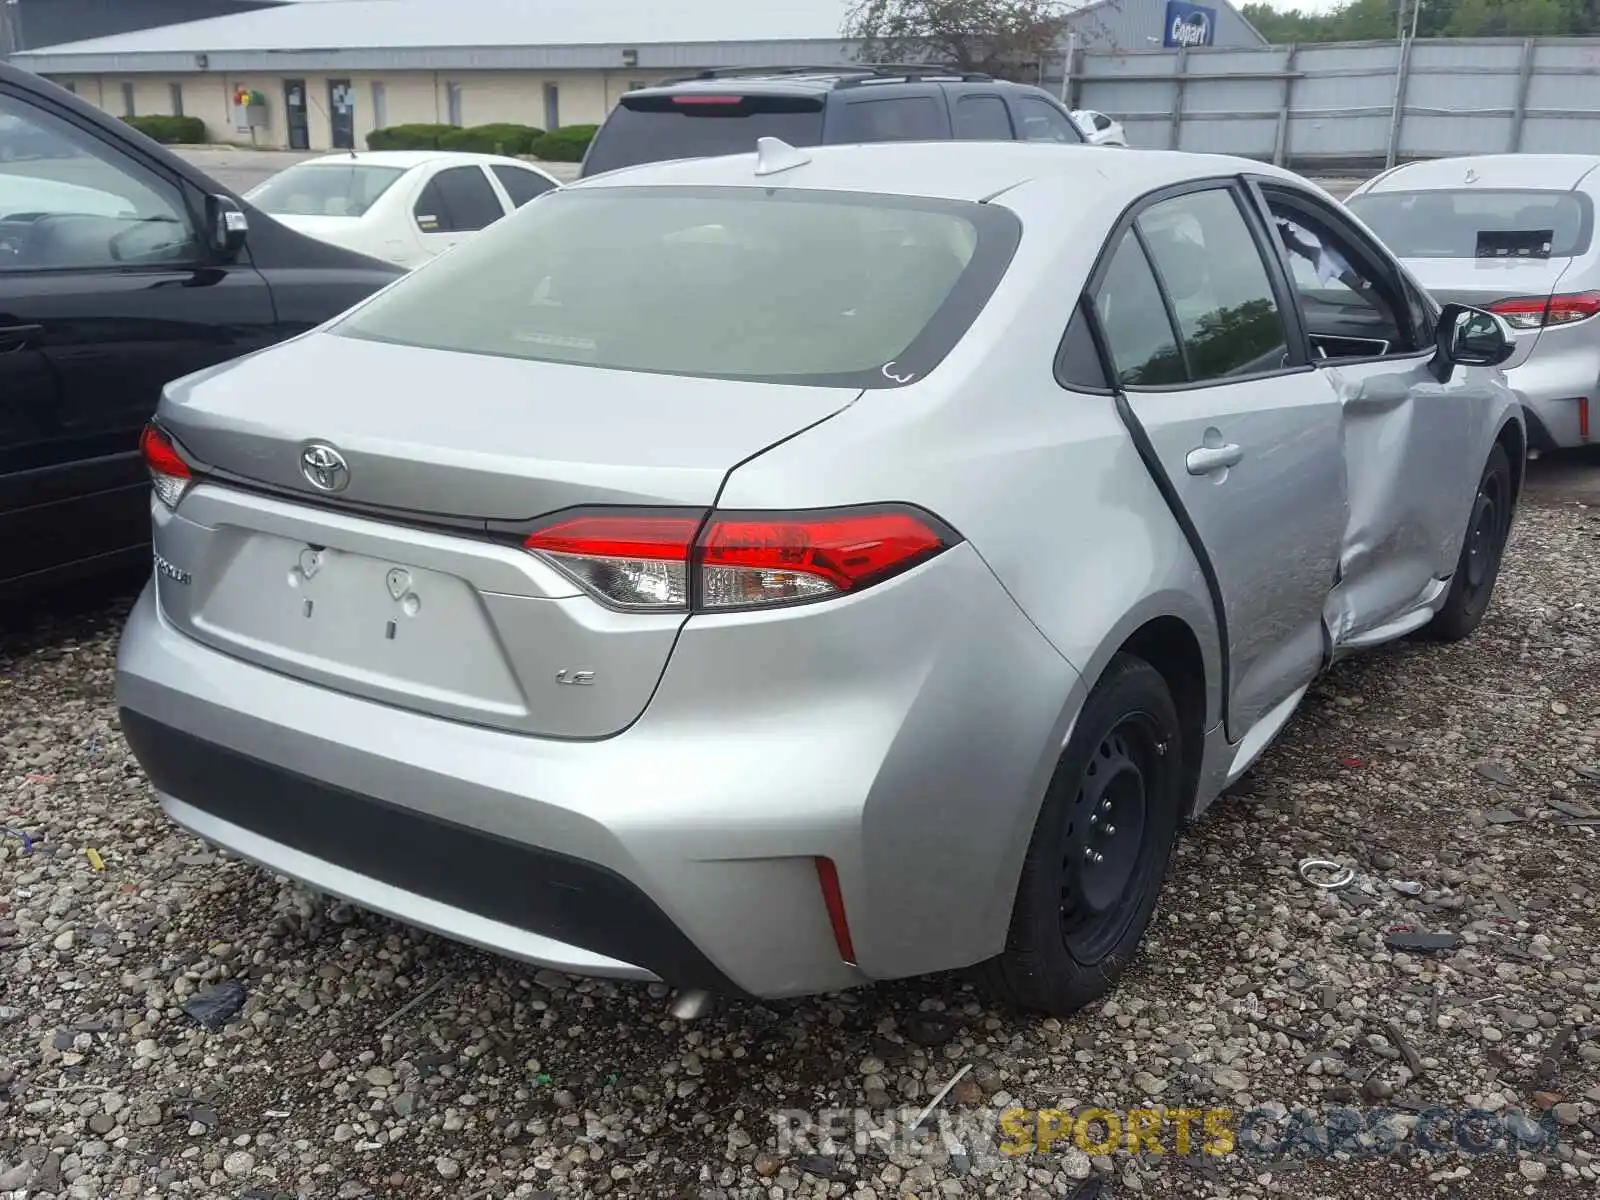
1408,437
1200,333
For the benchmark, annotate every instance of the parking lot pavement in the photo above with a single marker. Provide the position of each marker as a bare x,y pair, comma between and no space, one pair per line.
242,169
372,1060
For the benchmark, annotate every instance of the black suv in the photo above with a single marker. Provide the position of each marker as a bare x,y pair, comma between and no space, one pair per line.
725,111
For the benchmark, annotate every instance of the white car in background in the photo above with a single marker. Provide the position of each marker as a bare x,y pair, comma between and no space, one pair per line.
1099,129
404,206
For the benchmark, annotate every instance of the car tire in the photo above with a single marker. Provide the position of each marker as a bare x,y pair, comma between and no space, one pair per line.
1116,793
1482,550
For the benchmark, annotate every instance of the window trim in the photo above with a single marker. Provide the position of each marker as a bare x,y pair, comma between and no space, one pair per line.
1287,300
1377,263
1174,326
190,198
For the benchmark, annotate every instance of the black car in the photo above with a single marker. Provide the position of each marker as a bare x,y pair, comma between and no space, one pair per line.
725,111
121,268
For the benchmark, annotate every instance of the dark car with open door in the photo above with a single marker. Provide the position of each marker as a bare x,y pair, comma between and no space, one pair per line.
121,267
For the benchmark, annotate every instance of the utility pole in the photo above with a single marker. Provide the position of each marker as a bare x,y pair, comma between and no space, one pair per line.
10,28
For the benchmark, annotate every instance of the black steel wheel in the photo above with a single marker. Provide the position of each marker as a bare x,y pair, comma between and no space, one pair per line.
1100,848
1482,550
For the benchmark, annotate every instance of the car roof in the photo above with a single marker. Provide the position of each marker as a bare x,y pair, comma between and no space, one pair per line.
406,159
811,80
1520,172
948,170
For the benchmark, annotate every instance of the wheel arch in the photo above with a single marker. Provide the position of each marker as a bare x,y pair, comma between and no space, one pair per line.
1513,439
1175,631
1170,646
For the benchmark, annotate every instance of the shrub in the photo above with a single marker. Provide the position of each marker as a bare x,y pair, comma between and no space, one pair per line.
170,131
500,138
408,137
566,144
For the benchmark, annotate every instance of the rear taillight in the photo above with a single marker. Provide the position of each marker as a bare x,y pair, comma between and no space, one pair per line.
1535,312
677,561
170,476
691,99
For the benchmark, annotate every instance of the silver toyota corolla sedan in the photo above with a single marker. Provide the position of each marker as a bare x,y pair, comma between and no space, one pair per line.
774,573
1513,233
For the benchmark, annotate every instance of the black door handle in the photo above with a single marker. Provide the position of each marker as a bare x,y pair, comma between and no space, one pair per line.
19,337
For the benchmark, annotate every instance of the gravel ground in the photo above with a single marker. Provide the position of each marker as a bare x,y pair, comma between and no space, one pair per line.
370,1060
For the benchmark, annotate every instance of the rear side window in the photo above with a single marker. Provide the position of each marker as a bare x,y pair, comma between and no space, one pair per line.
521,185
1473,223
1212,272
789,286
892,119
458,200
982,119
645,129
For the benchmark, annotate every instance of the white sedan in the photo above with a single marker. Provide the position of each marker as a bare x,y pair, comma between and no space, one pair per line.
1099,129
406,206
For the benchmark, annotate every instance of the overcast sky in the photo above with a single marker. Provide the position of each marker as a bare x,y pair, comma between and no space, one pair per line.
1305,5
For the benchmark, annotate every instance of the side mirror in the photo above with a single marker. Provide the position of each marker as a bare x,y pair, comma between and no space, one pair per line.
226,226
1470,337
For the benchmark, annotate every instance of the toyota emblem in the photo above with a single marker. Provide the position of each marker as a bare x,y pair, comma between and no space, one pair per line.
324,467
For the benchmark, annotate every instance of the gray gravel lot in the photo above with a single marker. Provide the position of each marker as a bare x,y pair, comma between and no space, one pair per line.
372,1060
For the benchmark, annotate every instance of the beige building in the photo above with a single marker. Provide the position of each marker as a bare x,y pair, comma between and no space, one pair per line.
543,99
331,71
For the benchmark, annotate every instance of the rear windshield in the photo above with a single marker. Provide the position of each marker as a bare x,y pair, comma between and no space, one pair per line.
323,190
1473,223
644,129
782,286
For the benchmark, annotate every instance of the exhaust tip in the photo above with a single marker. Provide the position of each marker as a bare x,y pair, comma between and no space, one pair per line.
691,1004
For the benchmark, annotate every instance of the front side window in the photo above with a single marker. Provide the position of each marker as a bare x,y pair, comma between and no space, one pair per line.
68,200
1469,223
1349,310
323,189
1217,284
1042,122
779,286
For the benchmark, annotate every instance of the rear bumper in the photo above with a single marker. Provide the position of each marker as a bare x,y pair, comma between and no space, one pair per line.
906,735
1552,382
417,868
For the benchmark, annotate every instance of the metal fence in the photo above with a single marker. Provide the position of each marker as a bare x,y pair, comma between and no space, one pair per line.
1356,105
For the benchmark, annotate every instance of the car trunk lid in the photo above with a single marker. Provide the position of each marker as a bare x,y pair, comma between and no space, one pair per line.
400,588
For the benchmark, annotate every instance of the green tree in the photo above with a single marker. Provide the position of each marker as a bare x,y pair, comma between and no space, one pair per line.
995,36
1510,18
1379,20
